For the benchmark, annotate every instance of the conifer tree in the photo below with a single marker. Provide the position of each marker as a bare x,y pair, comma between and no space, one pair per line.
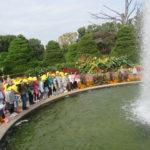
126,44
18,56
53,54
87,46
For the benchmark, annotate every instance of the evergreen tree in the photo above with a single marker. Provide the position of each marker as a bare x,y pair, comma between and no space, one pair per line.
37,49
53,54
87,46
72,54
126,44
5,41
81,32
18,57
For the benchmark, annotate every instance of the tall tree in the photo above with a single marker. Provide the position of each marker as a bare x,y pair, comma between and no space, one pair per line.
53,54
81,32
87,46
37,49
72,53
105,41
126,44
18,57
68,38
123,17
5,41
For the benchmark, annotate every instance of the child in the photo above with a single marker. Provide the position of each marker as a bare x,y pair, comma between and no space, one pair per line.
2,98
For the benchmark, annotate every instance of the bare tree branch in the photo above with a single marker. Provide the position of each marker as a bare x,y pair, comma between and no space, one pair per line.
129,3
105,18
122,17
135,6
112,10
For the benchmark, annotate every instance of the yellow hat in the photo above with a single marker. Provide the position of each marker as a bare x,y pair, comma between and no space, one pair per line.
9,88
30,79
53,75
5,86
34,78
16,82
25,80
15,88
43,77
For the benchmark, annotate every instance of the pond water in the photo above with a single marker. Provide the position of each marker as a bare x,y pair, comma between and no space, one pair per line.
93,120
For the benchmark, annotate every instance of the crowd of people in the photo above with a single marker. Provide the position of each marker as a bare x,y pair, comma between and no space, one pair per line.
33,89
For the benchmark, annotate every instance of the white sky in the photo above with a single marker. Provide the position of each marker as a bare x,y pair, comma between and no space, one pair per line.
48,19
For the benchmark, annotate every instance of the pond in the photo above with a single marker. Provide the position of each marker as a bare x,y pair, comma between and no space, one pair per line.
93,120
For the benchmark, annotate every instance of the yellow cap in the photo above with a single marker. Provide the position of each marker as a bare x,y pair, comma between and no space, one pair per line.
5,86
34,78
9,88
53,75
15,88
16,82
43,77
25,80
30,79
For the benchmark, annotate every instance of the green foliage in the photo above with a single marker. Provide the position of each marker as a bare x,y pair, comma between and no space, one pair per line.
94,45
53,54
18,57
105,41
87,46
81,32
94,64
3,55
5,41
65,65
114,63
36,48
72,54
126,44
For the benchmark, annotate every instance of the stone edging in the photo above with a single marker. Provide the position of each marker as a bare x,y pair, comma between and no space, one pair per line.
6,126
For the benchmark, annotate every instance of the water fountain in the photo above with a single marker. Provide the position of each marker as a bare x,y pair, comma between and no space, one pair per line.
141,108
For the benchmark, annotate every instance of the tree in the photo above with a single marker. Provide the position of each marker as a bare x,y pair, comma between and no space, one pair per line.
37,49
72,54
68,38
126,44
123,18
81,32
53,54
87,46
3,55
105,41
18,57
104,36
5,41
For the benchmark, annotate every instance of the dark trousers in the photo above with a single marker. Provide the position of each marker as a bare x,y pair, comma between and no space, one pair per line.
2,115
75,84
31,98
10,107
50,91
24,102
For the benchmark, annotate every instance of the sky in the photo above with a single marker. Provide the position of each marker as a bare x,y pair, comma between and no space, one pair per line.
48,19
